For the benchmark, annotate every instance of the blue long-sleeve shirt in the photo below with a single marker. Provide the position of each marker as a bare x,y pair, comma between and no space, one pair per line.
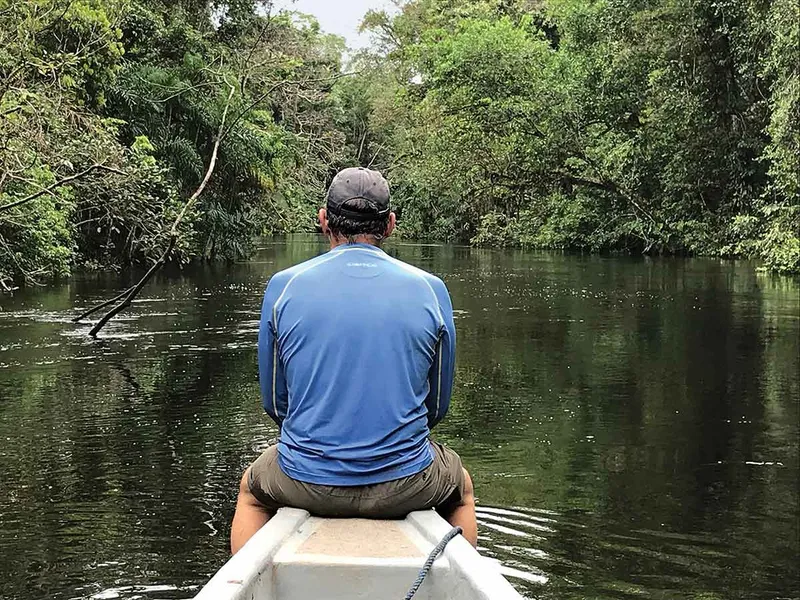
356,354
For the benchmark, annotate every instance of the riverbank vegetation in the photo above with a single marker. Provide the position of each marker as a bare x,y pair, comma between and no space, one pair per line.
660,126
112,109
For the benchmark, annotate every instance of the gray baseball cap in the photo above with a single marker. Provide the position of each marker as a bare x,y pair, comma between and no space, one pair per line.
359,183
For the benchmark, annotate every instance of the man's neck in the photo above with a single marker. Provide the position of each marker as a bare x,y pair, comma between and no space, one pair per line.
336,242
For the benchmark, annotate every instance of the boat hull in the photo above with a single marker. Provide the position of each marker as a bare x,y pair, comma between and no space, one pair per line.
297,557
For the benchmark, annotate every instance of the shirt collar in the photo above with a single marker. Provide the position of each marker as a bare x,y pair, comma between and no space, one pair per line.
361,245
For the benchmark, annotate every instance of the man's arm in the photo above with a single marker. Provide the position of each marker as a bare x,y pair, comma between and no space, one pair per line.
274,394
442,371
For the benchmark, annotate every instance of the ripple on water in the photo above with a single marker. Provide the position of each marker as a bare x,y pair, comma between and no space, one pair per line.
132,592
507,537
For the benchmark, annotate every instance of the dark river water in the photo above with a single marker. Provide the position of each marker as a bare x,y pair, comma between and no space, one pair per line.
631,425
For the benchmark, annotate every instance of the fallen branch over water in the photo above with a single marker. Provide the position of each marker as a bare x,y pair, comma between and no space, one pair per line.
94,309
126,297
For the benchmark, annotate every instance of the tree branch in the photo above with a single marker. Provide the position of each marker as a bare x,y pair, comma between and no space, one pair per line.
54,22
94,309
58,184
278,85
11,110
245,74
128,296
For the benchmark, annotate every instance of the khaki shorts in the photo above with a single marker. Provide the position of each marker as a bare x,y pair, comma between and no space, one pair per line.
440,486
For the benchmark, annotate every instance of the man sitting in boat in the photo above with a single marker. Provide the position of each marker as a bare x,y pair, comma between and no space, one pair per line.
356,355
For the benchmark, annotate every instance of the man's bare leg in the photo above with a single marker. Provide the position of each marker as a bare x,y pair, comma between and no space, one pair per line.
250,516
463,515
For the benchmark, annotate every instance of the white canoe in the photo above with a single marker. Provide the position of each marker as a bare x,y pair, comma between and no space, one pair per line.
299,557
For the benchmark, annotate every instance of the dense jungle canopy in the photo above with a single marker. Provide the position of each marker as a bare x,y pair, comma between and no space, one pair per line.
636,126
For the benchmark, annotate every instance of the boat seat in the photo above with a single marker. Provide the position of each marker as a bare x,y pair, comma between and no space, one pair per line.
360,538
331,554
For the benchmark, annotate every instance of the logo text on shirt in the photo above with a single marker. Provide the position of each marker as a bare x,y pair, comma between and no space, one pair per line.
361,264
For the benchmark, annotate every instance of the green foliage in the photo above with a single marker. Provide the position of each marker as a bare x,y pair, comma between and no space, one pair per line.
655,127
42,236
779,245
783,68
117,105
174,91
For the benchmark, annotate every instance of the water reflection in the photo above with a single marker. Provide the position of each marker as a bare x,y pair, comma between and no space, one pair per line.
631,426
